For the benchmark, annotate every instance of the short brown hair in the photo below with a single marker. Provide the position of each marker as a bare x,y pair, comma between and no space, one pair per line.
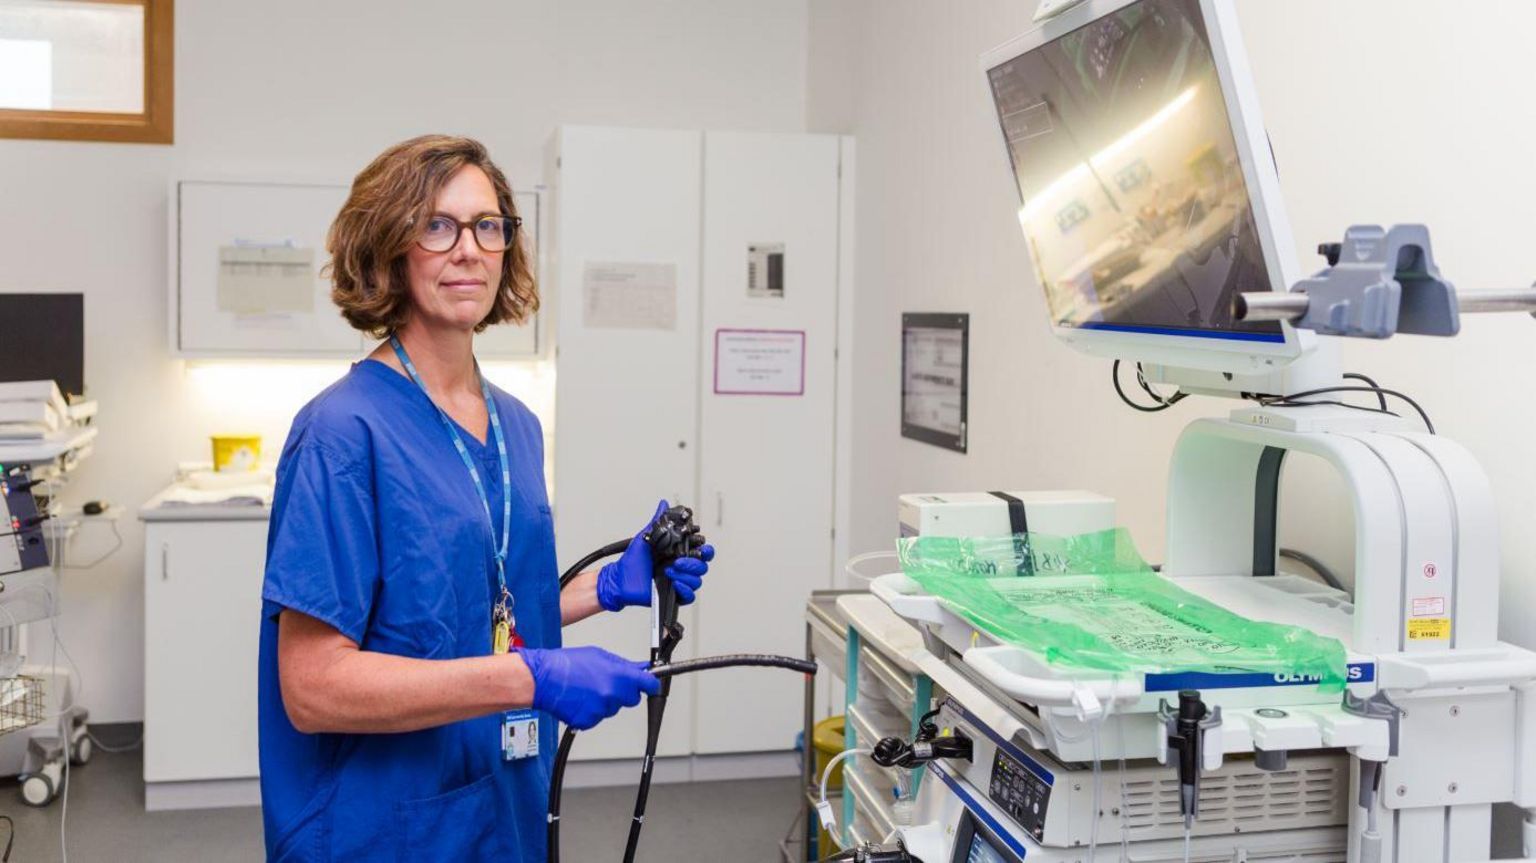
379,222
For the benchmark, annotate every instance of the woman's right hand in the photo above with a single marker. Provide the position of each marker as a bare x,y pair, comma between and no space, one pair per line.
582,686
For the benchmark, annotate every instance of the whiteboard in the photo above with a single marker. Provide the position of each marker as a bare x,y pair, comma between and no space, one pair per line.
246,273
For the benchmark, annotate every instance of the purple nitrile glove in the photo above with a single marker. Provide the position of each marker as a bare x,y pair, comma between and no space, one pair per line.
627,581
582,686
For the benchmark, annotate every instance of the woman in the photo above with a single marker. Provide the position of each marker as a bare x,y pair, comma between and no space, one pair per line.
411,670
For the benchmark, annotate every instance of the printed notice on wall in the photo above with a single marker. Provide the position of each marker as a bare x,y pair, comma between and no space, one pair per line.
760,362
629,296
266,280
934,364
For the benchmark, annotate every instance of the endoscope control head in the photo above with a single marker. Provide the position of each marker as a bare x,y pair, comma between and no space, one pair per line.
674,534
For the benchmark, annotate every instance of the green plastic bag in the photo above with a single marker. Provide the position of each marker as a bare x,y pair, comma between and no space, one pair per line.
1091,602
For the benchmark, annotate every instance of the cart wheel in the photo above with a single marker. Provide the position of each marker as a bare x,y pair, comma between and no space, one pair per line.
83,749
36,790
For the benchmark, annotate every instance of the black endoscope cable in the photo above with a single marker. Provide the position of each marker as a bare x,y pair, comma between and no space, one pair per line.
687,666
672,536
678,537
609,550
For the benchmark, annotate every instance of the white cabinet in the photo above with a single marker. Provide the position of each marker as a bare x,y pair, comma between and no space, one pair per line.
202,601
626,421
765,461
654,234
247,274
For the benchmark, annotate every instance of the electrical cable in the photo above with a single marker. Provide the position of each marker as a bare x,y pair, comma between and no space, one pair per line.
10,838
116,750
1162,403
104,555
1141,381
612,548
63,716
1370,788
1356,376
1316,566
1098,790
1295,399
666,671
1334,403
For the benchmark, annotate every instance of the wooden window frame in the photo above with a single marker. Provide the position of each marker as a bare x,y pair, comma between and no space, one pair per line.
155,125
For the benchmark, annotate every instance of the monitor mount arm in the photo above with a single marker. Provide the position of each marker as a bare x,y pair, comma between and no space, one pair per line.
1378,283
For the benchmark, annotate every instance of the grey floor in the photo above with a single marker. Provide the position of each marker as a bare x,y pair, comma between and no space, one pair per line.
739,821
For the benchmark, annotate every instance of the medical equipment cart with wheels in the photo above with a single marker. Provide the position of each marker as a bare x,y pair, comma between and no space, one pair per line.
54,730
1151,209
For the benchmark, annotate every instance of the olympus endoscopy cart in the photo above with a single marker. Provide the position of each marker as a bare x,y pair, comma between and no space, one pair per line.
1141,114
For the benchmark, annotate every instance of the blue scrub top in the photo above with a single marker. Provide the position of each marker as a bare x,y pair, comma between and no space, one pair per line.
377,530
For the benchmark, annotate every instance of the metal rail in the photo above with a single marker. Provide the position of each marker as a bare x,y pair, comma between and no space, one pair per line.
1274,306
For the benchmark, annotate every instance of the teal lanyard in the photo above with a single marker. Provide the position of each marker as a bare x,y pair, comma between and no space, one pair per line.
503,607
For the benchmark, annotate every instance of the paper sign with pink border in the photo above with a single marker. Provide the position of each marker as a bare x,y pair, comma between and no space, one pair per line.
800,384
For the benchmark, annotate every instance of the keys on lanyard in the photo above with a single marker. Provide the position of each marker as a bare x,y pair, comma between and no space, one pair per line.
504,635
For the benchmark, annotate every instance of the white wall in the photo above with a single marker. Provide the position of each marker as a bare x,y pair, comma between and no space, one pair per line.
1379,110
291,88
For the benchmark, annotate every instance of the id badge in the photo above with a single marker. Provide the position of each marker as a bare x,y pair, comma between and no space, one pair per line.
519,735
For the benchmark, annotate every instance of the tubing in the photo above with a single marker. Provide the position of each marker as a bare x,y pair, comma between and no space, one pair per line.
612,548
821,798
556,783
665,636
668,670
735,660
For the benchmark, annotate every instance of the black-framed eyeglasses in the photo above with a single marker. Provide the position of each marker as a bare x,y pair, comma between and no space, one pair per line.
492,233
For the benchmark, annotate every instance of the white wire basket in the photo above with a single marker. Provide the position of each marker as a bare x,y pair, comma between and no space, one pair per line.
21,703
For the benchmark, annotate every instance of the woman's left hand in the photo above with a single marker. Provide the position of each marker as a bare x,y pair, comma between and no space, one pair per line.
627,581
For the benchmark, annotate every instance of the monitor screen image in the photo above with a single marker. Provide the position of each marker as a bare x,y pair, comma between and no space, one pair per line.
982,851
1134,205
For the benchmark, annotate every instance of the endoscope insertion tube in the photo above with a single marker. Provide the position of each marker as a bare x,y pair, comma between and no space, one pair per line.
672,536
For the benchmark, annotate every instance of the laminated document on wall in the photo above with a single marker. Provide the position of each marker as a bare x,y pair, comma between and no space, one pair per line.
760,362
629,296
266,279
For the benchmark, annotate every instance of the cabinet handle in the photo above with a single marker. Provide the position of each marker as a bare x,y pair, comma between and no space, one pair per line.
719,509
165,561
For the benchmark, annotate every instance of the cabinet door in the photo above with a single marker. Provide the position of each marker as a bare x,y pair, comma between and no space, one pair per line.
627,217
512,341
246,270
766,460
202,600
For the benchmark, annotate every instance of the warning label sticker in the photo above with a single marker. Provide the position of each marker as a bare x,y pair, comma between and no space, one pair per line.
1429,629
1429,606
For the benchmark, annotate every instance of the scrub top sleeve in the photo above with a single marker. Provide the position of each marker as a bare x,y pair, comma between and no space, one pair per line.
323,552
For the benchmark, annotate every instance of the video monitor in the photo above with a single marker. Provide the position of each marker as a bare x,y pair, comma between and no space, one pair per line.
977,843
1135,183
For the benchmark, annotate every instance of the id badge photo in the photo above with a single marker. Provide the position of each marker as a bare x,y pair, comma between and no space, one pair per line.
519,735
